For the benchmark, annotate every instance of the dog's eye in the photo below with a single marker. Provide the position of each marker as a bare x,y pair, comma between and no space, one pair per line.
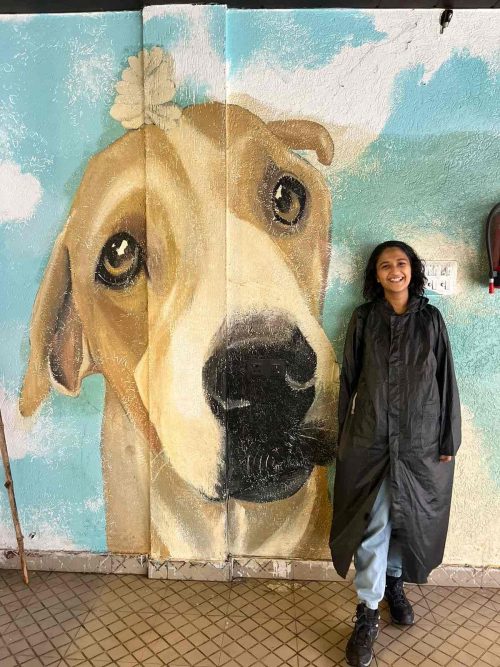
120,261
289,200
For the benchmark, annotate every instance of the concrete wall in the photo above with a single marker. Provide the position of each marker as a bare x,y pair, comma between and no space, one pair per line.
129,434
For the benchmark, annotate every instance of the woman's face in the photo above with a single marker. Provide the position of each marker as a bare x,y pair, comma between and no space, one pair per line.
394,271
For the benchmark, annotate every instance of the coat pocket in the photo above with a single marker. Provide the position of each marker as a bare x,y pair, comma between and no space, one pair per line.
430,424
363,420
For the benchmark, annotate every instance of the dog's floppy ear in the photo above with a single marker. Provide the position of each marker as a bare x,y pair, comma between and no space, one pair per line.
305,135
59,352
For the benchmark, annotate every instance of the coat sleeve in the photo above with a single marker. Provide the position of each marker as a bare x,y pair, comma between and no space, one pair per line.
351,366
451,423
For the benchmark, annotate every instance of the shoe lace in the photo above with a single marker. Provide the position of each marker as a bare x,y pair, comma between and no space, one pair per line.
362,629
398,594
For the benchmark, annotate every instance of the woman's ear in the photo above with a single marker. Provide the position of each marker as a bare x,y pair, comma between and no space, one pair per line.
305,135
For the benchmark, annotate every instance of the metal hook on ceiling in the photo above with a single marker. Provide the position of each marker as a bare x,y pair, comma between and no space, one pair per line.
445,18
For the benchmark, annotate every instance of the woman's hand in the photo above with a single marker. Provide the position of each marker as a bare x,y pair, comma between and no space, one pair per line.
445,459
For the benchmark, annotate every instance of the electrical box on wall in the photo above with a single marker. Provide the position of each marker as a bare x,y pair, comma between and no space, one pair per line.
441,276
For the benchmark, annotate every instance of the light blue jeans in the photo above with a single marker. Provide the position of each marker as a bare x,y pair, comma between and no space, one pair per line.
377,555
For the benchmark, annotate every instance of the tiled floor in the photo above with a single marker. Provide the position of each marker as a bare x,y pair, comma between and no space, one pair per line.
87,619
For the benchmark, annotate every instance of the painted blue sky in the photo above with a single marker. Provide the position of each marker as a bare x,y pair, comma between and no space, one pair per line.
295,38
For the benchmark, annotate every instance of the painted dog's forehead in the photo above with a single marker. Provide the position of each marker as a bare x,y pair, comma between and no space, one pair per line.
183,167
114,181
112,189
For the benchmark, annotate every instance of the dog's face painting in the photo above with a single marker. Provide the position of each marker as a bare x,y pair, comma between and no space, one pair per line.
198,297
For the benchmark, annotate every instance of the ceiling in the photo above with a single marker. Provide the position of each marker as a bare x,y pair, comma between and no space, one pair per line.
42,6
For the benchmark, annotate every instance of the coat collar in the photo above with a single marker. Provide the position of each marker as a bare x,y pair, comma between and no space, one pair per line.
414,304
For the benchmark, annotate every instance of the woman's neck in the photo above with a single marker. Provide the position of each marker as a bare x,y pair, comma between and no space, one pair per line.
398,301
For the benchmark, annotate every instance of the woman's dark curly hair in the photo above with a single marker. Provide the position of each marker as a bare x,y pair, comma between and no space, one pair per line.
372,289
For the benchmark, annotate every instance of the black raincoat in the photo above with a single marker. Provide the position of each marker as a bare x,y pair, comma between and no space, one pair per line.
398,411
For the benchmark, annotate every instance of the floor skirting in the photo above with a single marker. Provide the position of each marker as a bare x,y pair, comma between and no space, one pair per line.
233,568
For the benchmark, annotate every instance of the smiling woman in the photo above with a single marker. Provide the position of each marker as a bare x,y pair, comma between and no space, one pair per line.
400,426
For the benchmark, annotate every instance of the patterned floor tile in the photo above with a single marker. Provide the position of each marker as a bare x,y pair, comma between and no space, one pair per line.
251,641
66,619
267,598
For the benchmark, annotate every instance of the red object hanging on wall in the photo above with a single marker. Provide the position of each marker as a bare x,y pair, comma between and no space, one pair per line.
493,247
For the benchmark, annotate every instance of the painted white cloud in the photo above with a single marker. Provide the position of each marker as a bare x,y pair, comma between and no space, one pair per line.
49,537
46,537
19,193
355,89
7,535
417,35
195,57
346,264
35,436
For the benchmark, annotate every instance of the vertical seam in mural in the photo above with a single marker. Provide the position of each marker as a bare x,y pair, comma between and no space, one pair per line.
145,148
226,139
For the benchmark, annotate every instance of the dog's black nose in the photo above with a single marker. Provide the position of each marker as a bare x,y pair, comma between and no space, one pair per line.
260,383
261,370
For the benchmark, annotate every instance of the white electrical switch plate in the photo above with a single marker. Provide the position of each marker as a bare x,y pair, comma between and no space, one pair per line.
441,276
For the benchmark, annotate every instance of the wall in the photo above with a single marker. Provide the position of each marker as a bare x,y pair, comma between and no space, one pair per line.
414,118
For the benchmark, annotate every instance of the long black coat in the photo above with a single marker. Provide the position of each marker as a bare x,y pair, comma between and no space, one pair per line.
398,411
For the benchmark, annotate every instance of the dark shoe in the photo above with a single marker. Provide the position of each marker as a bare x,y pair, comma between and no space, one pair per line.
359,649
401,609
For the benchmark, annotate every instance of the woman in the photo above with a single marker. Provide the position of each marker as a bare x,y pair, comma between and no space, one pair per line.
399,425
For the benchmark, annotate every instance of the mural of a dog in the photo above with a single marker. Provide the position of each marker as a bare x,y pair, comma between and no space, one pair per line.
190,273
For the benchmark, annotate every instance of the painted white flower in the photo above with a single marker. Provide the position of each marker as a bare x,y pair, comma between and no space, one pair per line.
146,90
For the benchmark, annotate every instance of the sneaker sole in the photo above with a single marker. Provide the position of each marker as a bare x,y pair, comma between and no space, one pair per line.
395,622
361,664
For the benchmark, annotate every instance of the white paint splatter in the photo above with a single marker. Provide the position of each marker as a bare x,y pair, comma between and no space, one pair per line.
16,18
13,132
12,129
92,74
19,193
94,504
195,57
